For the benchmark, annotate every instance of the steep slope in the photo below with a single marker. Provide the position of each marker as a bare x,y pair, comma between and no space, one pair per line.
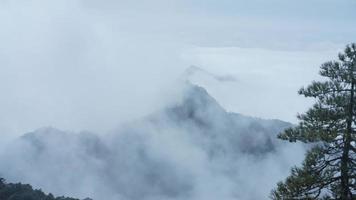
192,149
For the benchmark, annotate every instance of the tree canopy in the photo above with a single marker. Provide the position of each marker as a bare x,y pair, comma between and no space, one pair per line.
18,191
329,169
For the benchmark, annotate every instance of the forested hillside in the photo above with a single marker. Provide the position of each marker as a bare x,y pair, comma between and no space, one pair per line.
19,191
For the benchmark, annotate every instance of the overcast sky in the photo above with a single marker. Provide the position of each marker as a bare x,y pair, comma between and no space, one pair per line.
86,64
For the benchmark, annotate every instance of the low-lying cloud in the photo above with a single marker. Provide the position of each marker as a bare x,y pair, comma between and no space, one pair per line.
193,149
94,65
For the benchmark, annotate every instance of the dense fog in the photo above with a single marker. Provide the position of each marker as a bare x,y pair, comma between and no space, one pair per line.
161,99
191,149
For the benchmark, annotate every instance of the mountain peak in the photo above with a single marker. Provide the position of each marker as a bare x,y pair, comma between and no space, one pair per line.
196,104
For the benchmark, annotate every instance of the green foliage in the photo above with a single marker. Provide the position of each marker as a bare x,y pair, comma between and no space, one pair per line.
18,191
329,169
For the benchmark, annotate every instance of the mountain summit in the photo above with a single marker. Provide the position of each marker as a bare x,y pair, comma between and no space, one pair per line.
200,114
180,152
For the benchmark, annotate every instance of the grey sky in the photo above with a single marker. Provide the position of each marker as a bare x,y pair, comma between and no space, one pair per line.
93,64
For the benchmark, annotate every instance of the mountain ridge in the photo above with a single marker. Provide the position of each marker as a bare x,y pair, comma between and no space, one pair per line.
161,156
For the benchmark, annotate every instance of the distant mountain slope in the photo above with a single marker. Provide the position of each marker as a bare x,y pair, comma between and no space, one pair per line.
201,115
194,70
190,150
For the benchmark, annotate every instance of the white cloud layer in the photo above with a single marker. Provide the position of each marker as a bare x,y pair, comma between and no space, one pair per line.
92,64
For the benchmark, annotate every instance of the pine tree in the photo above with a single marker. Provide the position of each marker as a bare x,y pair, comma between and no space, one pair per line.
329,169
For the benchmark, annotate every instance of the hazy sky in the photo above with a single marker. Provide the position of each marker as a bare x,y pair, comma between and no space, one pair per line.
85,64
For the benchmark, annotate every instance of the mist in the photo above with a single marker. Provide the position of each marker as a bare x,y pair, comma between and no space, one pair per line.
191,149
100,76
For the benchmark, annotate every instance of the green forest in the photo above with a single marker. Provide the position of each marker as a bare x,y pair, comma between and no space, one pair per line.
19,191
